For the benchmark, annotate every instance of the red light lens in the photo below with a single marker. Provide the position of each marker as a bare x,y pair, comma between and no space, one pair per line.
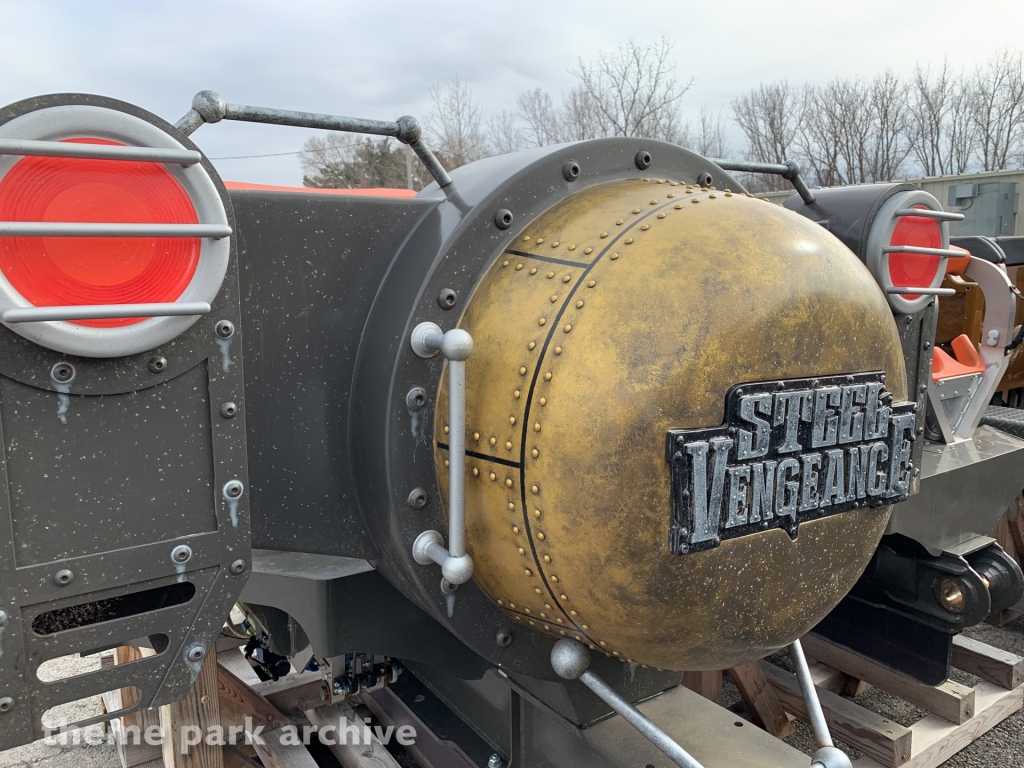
915,269
61,271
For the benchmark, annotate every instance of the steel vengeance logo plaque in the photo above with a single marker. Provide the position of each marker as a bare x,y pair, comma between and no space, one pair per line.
789,451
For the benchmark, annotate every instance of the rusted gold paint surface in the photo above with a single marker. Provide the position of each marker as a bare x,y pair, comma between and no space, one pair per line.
669,310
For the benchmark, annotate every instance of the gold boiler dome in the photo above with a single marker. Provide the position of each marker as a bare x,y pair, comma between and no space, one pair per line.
627,310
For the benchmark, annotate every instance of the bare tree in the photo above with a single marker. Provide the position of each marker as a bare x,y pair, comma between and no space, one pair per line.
891,143
634,91
708,137
455,125
537,110
504,133
998,110
768,116
943,129
581,118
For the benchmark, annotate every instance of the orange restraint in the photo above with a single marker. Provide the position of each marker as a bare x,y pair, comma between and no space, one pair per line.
967,360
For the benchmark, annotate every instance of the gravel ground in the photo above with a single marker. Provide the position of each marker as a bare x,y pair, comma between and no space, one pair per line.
61,751
1001,746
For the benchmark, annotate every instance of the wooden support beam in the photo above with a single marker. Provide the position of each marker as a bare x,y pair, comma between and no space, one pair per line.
1000,667
295,693
707,683
759,696
238,701
372,755
883,740
281,749
855,687
200,708
827,677
953,701
935,739
234,660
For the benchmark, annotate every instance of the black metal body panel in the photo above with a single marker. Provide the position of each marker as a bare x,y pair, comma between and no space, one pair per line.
311,267
101,479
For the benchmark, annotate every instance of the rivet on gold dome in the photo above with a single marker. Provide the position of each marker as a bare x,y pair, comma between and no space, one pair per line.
476,435
671,194
493,441
533,270
572,247
522,551
573,613
604,235
588,250
567,328
526,239
528,572
519,266
636,210
493,476
554,244
554,298
537,513
677,206
566,278
511,507
712,196
515,529
550,275
591,284
540,536
508,445
645,227
547,558
558,350
584,626
534,489
548,606
547,376
504,263
540,240
563,597
654,202
603,644
536,427
508,483
618,222
542,321
501,602
543,402
516,394
446,429
614,256
511,419
531,345
511,605
447,463
535,453
554,579
695,200
628,240
476,472
542,614
522,370
661,215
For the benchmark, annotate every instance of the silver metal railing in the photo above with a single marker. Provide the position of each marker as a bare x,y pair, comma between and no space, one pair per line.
209,107
929,214
104,311
33,148
98,151
427,340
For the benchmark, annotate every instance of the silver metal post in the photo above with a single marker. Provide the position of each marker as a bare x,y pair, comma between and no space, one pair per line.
570,660
827,755
457,457
104,229
104,311
940,215
921,291
27,147
426,340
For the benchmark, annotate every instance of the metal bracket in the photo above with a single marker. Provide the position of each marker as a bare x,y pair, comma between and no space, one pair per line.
455,346
787,169
958,415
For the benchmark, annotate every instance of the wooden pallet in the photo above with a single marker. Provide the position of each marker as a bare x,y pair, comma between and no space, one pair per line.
959,714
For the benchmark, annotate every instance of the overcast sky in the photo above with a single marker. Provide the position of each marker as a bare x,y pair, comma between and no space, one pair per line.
379,59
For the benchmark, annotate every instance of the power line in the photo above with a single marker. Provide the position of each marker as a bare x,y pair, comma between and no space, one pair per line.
247,157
